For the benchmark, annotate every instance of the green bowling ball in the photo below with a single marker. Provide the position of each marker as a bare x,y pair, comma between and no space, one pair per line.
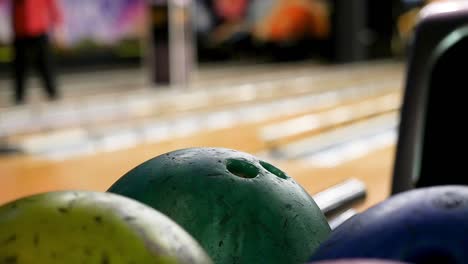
239,208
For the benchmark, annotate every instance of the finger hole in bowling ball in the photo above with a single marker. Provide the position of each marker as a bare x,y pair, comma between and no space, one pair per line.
431,256
242,168
273,169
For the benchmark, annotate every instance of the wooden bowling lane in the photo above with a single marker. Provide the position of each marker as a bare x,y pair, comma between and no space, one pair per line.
236,119
247,136
106,109
238,110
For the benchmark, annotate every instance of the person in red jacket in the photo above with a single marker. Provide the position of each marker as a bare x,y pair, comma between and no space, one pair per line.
33,21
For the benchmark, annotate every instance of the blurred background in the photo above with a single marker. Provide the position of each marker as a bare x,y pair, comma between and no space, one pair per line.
314,86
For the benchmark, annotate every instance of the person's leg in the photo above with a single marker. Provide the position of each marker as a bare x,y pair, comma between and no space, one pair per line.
45,61
20,64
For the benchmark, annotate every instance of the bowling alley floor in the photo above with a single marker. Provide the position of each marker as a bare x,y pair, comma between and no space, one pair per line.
321,124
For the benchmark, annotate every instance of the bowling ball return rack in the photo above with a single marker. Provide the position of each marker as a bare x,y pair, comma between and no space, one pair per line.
336,202
431,130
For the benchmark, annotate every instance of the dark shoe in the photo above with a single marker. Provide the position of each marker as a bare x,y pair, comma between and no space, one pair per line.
9,150
19,101
53,98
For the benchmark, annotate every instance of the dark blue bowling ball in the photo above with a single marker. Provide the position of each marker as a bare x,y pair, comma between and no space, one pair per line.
427,225
357,261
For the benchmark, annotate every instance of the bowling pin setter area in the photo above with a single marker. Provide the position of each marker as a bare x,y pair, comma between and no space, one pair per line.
222,134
